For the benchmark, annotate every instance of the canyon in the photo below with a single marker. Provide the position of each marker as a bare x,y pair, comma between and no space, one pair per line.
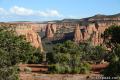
78,30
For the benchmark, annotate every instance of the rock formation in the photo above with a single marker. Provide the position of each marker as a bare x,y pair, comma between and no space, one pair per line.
53,27
95,30
85,33
92,31
49,34
35,39
31,36
78,35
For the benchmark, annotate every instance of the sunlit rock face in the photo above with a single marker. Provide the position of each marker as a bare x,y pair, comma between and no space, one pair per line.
100,28
35,39
54,28
78,35
49,33
31,36
90,29
92,33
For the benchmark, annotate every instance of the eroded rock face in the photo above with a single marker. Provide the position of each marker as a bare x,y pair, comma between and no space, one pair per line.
77,35
49,34
35,39
54,28
32,37
94,31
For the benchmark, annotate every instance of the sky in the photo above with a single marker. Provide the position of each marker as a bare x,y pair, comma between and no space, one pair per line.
44,10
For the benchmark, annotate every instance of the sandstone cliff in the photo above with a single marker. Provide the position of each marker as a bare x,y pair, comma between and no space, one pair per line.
32,37
96,25
92,32
54,28
48,33
77,35
35,39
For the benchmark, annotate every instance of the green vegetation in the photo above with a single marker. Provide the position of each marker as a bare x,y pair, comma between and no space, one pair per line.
112,35
66,57
70,57
113,69
113,41
93,54
13,50
36,57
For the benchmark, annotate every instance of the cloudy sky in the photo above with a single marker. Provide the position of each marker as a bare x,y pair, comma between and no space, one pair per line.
42,10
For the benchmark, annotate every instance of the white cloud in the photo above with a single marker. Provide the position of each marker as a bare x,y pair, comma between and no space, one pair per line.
28,12
53,13
21,11
17,12
49,13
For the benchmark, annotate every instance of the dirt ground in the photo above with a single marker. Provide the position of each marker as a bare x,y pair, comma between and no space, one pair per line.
39,76
36,73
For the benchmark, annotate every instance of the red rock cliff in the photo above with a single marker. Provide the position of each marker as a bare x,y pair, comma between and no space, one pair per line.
31,36
77,34
49,33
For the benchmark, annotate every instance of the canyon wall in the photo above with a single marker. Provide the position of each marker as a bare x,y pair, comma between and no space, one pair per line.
91,31
31,36
28,31
81,29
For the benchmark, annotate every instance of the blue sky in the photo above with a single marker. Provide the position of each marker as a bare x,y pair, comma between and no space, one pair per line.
41,10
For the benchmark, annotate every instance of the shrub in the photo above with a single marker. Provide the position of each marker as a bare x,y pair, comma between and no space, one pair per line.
111,35
13,50
68,69
36,58
56,68
76,69
94,54
113,69
9,73
85,68
66,58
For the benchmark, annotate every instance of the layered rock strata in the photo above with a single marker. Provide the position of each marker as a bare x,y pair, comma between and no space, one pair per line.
31,36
